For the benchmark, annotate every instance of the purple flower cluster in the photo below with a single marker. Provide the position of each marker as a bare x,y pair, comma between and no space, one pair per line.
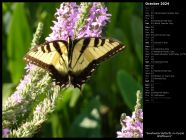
38,109
132,127
95,22
69,13
67,16
29,67
5,132
23,82
16,97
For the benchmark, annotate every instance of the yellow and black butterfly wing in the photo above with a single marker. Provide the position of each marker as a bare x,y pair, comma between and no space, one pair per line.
53,57
88,53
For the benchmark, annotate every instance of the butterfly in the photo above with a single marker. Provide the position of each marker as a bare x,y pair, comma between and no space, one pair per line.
72,62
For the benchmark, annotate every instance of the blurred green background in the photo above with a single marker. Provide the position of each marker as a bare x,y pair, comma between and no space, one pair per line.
110,91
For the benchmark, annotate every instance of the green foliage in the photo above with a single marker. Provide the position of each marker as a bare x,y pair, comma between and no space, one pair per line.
95,111
8,88
17,40
128,87
87,123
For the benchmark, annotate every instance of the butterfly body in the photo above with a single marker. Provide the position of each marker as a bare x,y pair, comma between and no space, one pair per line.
72,62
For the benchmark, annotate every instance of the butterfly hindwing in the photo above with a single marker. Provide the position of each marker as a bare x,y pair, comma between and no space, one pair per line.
88,53
52,56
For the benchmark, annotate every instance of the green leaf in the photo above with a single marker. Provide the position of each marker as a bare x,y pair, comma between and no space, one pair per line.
87,123
74,98
137,34
47,16
56,126
128,87
113,8
6,6
64,99
18,42
7,90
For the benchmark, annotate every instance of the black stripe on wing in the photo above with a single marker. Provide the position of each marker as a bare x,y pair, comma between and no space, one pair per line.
85,44
57,46
45,47
58,78
96,42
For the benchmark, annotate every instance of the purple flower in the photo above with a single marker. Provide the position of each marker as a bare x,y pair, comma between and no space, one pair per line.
95,22
16,97
132,127
120,134
69,14
23,82
6,131
38,109
29,67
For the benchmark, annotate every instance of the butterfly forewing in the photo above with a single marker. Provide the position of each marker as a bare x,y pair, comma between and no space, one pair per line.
52,56
89,52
